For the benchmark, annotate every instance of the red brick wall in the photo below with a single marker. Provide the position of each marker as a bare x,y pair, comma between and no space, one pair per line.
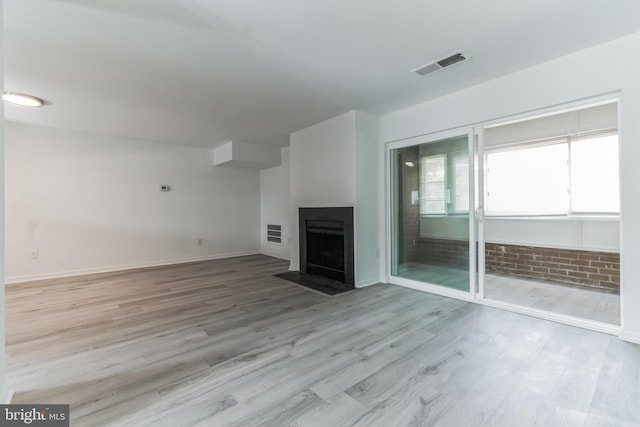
594,269
448,253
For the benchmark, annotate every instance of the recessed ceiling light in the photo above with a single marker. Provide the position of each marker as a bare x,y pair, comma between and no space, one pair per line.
22,99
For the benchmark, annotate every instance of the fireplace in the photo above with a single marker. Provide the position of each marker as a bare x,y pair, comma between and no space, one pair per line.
326,243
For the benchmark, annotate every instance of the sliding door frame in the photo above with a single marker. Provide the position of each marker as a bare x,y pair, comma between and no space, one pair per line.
479,209
476,215
414,284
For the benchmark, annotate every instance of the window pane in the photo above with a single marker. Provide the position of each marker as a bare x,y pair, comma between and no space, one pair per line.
530,180
461,189
435,190
434,168
434,206
594,175
433,184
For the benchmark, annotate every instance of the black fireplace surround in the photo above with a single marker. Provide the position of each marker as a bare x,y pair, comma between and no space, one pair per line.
326,243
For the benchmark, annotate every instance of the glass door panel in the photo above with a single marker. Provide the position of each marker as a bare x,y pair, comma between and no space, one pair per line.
430,205
549,215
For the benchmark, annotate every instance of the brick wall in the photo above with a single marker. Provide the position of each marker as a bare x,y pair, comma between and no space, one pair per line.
448,253
594,269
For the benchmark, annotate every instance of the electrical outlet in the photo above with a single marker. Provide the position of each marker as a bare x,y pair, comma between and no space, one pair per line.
199,242
35,254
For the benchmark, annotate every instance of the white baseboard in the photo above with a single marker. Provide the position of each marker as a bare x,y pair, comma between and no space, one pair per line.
275,256
6,395
633,337
366,283
122,267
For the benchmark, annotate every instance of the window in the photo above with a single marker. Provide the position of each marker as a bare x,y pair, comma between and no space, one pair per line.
433,175
594,175
563,176
530,180
444,184
461,184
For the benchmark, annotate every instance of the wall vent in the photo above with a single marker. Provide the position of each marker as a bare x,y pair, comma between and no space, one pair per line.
274,234
434,66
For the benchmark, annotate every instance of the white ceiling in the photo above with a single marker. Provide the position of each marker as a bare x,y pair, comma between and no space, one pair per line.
207,71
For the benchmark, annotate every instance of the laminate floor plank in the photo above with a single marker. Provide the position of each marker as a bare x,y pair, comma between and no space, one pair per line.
620,371
588,303
224,343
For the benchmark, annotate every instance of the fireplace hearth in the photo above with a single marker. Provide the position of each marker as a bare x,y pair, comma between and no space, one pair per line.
326,243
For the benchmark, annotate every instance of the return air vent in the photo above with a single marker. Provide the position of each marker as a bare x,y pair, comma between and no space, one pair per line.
274,234
440,64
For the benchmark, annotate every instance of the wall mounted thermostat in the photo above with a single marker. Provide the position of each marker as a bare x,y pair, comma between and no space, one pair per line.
165,188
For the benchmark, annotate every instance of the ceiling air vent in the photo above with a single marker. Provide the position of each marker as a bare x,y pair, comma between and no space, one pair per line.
439,64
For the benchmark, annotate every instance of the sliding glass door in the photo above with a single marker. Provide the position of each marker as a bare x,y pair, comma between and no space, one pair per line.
431,199
522,215
550,227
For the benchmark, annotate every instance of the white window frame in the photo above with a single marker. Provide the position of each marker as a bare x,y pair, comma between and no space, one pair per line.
565,139
450,185
456,209
423,182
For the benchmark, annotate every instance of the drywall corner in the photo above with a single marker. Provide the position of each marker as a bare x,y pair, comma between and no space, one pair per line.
274,207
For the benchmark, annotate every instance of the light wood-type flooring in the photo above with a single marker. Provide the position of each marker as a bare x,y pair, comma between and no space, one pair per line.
579,301
224,342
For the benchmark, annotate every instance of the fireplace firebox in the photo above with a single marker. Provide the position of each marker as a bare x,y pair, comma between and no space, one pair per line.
326,243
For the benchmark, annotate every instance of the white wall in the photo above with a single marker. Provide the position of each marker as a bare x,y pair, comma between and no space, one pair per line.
274,206
89,202
580,234
4,393
586,234
595,118
240,154
445,227
367,251
573,77
322,170
336,163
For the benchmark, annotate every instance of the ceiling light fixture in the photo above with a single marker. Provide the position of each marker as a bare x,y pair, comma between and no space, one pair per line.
410,164
22,99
